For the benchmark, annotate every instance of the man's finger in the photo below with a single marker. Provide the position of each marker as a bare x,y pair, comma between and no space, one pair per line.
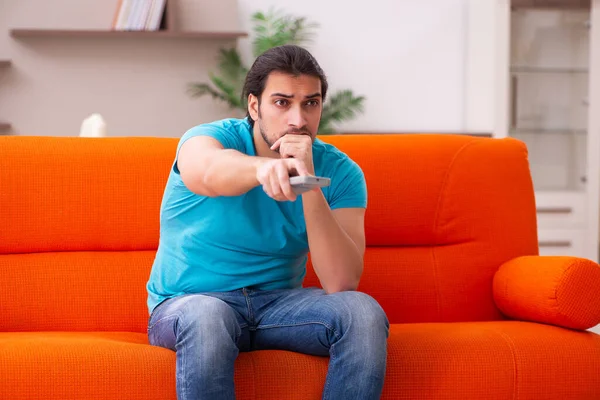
275,187
284,152
277,143
290,150
284,181
301,168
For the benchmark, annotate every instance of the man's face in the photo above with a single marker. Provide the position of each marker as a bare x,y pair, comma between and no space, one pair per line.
288,105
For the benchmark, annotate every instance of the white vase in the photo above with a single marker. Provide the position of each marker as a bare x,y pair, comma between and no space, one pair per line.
93,126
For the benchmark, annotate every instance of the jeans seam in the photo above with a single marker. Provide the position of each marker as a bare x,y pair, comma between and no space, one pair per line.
184,388
329,327
250,310
327,381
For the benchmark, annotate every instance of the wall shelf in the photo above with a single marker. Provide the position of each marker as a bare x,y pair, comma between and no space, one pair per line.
551,4
547,70
548,131
87,33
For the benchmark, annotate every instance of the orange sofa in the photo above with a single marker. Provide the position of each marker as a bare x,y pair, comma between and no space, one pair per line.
451,257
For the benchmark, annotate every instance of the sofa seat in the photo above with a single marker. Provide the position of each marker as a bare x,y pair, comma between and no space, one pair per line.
83,365
492,360
470,360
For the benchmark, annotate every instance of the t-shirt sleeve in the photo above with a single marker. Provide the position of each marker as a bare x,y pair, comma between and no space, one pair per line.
349,187
228,138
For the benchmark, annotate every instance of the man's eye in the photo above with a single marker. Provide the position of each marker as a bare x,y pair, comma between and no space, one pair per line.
281,102
312,103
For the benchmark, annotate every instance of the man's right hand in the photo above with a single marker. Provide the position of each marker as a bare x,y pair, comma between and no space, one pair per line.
274,176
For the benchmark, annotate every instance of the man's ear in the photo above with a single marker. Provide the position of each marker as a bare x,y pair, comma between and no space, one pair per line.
253,106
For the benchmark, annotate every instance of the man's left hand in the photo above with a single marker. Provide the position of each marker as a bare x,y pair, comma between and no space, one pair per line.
298,147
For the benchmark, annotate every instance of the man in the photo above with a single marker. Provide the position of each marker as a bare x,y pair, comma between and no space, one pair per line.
234,241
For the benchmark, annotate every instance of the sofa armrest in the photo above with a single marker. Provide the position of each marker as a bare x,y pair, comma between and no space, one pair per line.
563,291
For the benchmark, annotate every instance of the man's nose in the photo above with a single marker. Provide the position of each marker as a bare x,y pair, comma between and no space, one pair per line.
296,118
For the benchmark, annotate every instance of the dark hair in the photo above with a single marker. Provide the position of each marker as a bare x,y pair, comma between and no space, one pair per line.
290,59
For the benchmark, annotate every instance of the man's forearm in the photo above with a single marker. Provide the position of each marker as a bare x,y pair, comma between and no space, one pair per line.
335,257
232,173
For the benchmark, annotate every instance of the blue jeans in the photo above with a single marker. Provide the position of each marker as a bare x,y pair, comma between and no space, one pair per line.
208,330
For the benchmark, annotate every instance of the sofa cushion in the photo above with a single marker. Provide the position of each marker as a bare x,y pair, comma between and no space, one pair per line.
558,290
474,360
427,284
437,190
74,194
84,365
500,360
75,291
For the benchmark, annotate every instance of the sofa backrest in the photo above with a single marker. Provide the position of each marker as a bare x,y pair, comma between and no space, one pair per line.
79,229
79,226
444,212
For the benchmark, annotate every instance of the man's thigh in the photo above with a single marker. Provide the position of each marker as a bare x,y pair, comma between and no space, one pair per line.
204,310
309,320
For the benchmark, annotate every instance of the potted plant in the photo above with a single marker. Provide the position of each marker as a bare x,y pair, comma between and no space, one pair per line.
273,29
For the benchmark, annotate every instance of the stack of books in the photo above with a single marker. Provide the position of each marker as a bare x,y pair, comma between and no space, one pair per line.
139,15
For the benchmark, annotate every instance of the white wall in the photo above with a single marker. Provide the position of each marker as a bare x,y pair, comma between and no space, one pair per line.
407,57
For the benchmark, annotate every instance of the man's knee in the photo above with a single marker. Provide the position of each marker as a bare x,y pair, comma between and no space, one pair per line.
201,313
361,312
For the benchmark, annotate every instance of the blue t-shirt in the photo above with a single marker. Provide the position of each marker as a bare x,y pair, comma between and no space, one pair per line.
216,244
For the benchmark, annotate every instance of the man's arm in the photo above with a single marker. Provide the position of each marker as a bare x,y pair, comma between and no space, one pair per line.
336,239
208,169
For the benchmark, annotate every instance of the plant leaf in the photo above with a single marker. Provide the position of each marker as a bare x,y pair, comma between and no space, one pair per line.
230,92
325,127
230,64
342,105
222,93
201,89
276,29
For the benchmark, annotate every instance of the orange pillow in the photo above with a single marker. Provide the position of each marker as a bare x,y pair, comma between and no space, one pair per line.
562,291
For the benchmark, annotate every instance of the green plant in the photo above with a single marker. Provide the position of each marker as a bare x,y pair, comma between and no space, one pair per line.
273,29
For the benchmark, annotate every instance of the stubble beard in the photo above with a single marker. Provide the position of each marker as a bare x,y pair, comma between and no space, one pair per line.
264,136
270,142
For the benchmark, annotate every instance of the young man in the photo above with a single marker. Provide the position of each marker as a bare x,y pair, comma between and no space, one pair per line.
234,241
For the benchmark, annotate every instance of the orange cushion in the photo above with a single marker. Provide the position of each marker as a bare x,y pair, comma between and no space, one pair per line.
430,283
503,360
486,360
445,189
563,291
108,365
75,291
74,194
